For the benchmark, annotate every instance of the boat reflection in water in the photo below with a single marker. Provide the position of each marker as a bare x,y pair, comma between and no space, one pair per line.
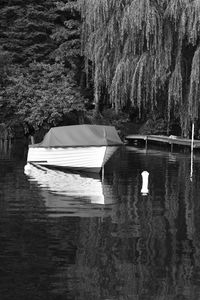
71,194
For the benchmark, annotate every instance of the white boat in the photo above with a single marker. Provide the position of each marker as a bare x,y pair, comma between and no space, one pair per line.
78,147
71,194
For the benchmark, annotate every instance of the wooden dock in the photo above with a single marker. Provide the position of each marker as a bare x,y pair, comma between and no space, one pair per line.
162,139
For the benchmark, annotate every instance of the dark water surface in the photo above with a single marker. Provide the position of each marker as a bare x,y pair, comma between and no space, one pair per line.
66,236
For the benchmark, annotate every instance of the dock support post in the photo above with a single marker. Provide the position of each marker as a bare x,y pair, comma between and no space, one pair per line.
32,140
146,142
172,147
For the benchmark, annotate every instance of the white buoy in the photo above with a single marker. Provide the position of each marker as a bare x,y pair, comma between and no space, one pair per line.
145,179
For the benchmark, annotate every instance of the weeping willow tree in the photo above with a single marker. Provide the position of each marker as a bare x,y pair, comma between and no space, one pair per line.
146,54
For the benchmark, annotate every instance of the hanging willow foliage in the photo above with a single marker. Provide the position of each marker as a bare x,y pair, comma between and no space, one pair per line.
190,21
121,80
139,47
194,94
175,87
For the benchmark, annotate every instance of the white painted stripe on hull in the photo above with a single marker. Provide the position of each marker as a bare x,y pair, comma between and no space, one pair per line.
78,157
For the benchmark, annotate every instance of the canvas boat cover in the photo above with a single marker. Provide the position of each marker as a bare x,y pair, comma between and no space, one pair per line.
80,135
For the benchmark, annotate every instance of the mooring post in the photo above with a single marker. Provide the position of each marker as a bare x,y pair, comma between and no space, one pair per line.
32,140
172,147
192,149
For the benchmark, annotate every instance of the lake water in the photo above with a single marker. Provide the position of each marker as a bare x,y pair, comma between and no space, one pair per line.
66,236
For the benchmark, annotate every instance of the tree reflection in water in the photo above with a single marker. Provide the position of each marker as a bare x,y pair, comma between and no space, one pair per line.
149,247
136,247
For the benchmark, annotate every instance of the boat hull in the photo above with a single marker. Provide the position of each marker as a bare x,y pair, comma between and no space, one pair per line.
89,159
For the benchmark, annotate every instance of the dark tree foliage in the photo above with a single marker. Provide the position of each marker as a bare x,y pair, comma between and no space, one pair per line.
67,35
40,75
5,62
25,29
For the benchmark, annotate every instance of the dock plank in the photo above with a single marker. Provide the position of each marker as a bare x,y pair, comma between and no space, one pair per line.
171,140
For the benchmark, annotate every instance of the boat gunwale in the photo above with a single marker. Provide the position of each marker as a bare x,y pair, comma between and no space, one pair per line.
77,146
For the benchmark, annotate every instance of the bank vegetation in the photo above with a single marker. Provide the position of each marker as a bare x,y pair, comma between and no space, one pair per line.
100,61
